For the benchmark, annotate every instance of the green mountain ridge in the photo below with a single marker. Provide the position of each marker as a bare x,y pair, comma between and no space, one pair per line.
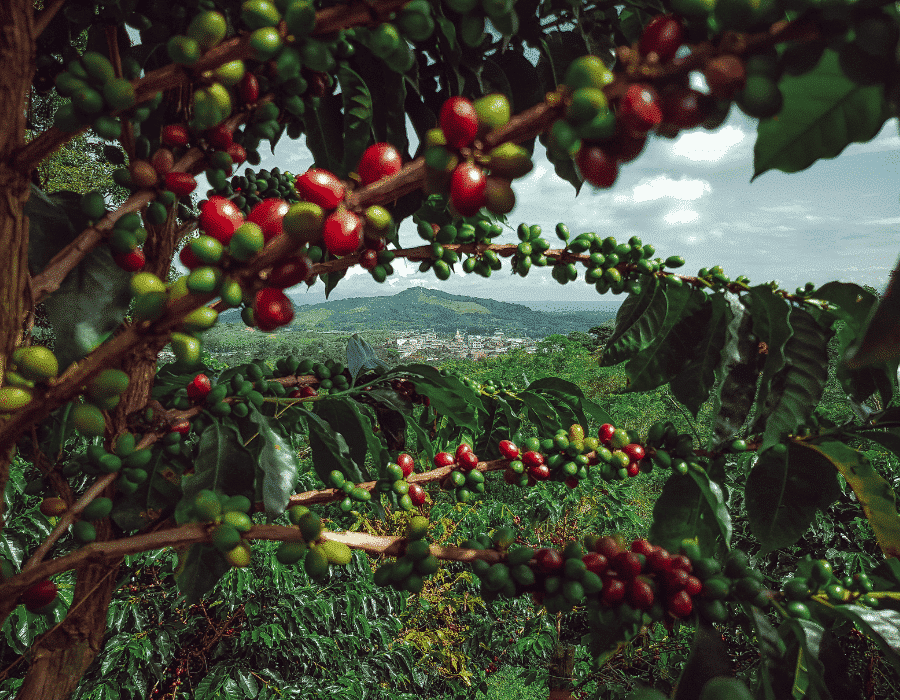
420,309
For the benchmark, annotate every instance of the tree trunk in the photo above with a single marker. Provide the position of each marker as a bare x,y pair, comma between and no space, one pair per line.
17,57
562,666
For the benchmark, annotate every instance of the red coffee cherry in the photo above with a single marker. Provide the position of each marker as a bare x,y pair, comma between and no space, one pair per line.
639,108
549,560
664,35
39,595
368,259
635,452
269,216
342,232
627,564
595,562
541,472
292,271
694,586
220,137
219,218
640,593
613,592
248,88
272,309
467,461
132,261
607,546
633,469
182,184
320,187
676,579
725,75
444,459
679,561
198,388
406,464
680,604
379,160
306,391
459,122
175,135
597,166
189,259
416,494
659,561
641,546
463,447
685,107
467,188
182,427
508,449
532,459
605,432
237,152
626,145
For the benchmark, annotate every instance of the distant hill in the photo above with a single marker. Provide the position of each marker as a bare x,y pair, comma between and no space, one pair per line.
420,309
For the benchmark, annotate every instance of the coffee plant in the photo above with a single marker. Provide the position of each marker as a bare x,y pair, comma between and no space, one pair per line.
132,456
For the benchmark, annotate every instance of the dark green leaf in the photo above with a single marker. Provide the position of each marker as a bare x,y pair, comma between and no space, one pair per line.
330,451
783,493
279,463
341,415
716,500
682,511
694,383
808,671
824,111
541,412
198,570
361,355
323,124
882,626
770,312
357,115
637,322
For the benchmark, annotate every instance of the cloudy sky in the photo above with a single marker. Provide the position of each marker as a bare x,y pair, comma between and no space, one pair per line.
690,196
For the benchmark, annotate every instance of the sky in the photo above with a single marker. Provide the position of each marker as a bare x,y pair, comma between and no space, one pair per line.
688,196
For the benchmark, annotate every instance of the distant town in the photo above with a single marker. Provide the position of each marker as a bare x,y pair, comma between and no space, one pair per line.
428,345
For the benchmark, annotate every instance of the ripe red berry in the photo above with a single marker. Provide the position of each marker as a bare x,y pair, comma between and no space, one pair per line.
182,427
467,461
306,391
508,449
642,546
679,561
463,447
597,166
189,259
607,546
639,108
627,564
272,309
613,592
292,271
320,187
219,218
685,107
182,184
634,451
175,135
248,88
269,216
342,232
626,145
640,593
199,387
406,464
659,561
633,469
220,137
40,594
532,459
605,432
467,188
131,261
295,394
676,579
664,35
444,459
680,604
368,259
694,586
416,494
549,560
595,562
541,472
572,482
378,161
459,122
237,152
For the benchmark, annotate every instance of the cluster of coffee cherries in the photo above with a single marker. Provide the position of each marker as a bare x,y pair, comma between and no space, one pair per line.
816,580
394,478
564,457
470,17
29,367
455,164
464,479
229,519
407,390
409,572
317,553
443,257
675,451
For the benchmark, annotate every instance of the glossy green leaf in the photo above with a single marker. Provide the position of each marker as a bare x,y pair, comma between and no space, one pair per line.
357,101
448,395
805,636
682,511
770,312
323,125
361,355
882,626
736,375
330,451
637,321
199,569
693,384
796,389
279,463
541,412
716,500
342,416
671,347
331,280
878,500
222,463
783,493
824,111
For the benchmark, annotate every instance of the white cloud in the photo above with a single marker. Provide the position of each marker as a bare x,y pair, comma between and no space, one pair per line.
707,146
664,186
684,216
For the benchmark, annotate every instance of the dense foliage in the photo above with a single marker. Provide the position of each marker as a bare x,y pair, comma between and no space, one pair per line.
292,525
